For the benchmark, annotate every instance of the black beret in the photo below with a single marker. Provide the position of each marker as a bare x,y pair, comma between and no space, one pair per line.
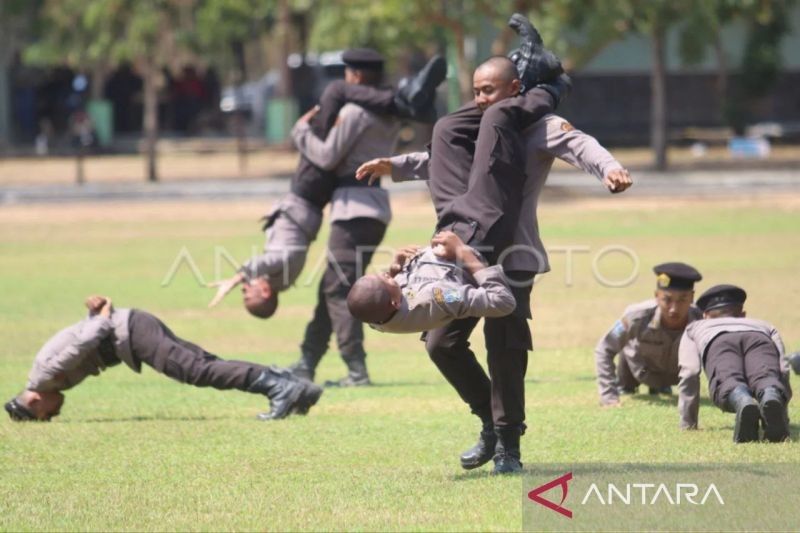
678,276
363,58
721,296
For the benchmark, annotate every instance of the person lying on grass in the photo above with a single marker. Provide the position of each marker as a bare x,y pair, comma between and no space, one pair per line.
109,336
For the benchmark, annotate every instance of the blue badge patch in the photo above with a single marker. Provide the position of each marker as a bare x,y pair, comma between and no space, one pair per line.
618,329
452,296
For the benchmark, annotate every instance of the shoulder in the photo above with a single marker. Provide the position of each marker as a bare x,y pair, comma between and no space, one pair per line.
355,112
639,313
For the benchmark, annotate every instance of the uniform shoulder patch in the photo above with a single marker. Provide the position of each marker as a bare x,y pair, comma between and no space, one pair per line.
438,296
619,328
452,296
566,126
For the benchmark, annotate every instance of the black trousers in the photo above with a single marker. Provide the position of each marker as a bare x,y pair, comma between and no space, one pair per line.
154,344
311,182
742,358
351,246
499,397
480,157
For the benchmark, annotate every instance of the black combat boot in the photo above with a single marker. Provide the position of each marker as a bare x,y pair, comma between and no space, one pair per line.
484,449
286,392
415,96
741,402
655,391
774,417
357,375
623,391
306,366
507,455
535,64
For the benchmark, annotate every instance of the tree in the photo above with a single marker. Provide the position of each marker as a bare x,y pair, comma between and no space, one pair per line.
96,34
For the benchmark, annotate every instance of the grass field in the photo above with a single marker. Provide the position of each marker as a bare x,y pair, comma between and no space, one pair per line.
140,452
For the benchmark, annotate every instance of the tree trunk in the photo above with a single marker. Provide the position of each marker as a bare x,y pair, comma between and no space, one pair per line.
658,100
463,70
722,75
285,31
150,120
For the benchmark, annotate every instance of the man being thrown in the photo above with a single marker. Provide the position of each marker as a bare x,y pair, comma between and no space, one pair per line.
109,336
427,288
295,221
743,359
487,165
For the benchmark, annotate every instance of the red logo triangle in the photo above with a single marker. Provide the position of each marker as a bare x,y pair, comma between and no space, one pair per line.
535,494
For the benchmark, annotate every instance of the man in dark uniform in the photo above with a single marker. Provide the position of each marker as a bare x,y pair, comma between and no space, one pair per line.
743,359
110,336
359,214
647,336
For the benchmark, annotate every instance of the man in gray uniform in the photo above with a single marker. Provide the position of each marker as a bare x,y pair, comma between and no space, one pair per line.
110,336
647,337
743,359
426,289
359,216
498,399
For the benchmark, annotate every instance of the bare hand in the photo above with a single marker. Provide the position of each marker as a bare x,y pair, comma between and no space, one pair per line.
223,288
618,180
107,308
95,303
447,245
374,169
308,115
401,258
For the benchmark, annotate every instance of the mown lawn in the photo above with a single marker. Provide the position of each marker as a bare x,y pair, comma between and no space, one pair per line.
140,452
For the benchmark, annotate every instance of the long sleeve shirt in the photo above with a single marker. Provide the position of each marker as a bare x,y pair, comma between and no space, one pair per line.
357,137
436,292
291,227
650,350
691,358
74,353
549,138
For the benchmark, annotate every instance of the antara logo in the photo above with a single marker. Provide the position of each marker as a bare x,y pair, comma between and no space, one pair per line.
631,494
535,494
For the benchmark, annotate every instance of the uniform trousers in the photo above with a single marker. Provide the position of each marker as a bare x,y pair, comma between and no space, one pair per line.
351,245
742,358
652,378
498,398
154,344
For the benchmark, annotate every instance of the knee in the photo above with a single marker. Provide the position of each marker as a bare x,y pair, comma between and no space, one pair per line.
440,348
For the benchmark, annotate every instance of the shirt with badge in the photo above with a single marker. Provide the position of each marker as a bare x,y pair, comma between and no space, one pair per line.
436,292
549,138
650,350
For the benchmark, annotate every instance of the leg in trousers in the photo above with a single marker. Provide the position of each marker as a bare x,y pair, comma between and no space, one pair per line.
156,345
352,244
316,339
625,379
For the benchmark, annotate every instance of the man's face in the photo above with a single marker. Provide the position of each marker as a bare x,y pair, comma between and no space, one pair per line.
394,289
352,76
44,405
256,290
489,87
674,306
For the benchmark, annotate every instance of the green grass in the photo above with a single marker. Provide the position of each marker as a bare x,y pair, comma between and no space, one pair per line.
140,452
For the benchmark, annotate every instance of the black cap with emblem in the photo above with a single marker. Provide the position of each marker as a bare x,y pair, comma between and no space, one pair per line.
363,59
721,296
679,276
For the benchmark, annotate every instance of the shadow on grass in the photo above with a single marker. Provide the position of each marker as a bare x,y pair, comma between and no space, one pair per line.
147,418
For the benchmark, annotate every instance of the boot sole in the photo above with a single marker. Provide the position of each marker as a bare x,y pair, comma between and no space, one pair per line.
473,465
307,399
774,417
746,428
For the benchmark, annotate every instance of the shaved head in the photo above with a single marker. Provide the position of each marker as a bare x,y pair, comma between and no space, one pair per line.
494,80
370,300
501,66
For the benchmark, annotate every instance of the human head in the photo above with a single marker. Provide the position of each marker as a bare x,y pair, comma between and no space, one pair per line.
722,301
495,79
258,297
374,298
675,292
363,66
33,405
